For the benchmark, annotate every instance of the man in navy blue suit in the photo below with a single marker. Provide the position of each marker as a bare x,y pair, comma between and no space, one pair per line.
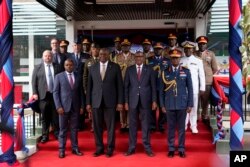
140,97
67,95
176,100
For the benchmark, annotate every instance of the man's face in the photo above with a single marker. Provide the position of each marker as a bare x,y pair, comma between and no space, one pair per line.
146,47
76,48
54,45
86,47
157,51
125,48
175,61
188,51
139,58
118,46
95,51
103,55
202,46
47,57
69,66
172,42
63,49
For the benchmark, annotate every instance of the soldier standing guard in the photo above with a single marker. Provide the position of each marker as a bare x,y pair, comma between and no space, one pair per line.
176,100
124,60
210,68
118,48
195,66
172,44
158,63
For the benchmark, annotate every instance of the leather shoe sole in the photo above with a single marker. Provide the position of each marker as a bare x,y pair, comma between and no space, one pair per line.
150,153
77,152
128,153
109,154
61,155
182,154
171,154
97,154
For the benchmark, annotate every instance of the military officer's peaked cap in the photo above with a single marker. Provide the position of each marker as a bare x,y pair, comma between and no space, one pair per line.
202,39
95,45
117,39
64,43
175,53
188,44
85,41
172,36
76,41
146,41
158,45
125,42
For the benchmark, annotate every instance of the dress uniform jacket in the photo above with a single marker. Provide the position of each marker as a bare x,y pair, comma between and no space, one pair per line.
209,63
178,96
195,66
87,65
124,63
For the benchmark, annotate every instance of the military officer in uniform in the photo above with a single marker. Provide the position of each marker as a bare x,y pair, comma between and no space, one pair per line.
158,63
210,68
86,47
146,45
172,44
176,100
195,66
125,59
118,48
64,47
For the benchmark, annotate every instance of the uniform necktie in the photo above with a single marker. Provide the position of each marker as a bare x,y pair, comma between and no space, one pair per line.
139,72
71,82
175,71
103,71
50,86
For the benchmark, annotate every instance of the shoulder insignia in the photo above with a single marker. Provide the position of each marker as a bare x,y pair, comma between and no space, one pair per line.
185,67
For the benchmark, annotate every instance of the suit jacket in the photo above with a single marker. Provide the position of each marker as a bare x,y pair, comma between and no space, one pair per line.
143,89
183,96
110,89
64,96
79,64
63,57
39,83
86,67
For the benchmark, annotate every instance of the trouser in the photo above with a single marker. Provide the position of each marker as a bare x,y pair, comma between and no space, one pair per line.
192,116
124,119
205,101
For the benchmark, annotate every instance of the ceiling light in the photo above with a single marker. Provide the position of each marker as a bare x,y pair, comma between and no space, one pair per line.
123,1
88,2
100,15
167,0
166,14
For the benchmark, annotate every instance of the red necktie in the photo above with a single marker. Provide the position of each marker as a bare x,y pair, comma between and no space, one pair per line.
139,72
71,82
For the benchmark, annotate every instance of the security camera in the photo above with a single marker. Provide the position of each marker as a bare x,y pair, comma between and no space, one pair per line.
200,15
69,18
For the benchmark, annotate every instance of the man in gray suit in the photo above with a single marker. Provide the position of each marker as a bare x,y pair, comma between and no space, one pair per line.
104,97
140,97
42,85
67,96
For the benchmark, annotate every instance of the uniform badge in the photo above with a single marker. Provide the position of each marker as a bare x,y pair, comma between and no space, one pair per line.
89,64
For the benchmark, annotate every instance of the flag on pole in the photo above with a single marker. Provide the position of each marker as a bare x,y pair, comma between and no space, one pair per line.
6,82
235,66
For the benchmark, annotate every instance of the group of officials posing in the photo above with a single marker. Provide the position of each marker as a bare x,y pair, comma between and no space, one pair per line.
169,80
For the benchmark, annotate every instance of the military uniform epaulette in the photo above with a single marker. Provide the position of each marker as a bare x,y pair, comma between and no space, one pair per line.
198,57
185,67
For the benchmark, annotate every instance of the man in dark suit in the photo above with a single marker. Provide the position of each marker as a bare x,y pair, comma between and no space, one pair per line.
176,100
140,97
104,97
67,96
58,58
42,85
79,60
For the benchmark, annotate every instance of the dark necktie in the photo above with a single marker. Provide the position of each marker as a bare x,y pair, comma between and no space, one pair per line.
175,71
71,82
50,86
139,72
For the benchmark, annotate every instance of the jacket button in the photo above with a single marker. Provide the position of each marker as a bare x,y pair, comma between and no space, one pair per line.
138,94
139,87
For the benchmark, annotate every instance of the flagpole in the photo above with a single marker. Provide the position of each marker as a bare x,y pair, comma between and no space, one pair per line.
235,67
6,83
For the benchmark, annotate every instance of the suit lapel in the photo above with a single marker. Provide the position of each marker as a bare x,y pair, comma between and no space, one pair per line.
109,67
98,72
143,72
66,78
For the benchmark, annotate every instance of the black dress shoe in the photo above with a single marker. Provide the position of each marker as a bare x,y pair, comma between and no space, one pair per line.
171,154
182,154
162,130
150,153
61,154
122,130
77,152
129,152
44,139
109,154
98,153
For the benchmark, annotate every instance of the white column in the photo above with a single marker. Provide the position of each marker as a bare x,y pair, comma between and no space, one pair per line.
200,25
31,59
71,33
